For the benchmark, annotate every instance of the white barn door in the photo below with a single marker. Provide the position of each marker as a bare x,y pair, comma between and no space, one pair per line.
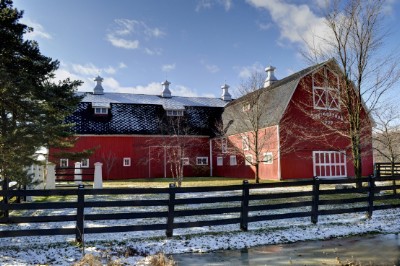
329,164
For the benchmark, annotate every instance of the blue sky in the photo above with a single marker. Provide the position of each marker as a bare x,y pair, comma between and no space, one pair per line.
198,45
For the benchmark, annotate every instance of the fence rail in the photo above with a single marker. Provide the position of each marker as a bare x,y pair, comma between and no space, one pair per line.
175,208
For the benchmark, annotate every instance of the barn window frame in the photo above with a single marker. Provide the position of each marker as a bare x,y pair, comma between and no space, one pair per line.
326,96
224,145
64,163
248,159
268,158
126,161
232,160
85,163
174,112
185,161
100,110
202,160
220,161
245,143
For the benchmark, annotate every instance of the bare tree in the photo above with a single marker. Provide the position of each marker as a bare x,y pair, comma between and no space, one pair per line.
248,117
355,39
176,145
387,135
109,160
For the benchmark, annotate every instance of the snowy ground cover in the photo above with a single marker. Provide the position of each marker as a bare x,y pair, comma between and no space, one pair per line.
130,248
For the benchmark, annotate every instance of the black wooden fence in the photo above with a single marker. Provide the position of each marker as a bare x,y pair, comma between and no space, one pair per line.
172,208
5,185
386,169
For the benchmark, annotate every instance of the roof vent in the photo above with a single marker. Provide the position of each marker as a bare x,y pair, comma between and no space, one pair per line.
98,89
166,93
226,96
270,76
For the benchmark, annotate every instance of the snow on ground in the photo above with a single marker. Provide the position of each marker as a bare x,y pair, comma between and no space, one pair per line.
130,248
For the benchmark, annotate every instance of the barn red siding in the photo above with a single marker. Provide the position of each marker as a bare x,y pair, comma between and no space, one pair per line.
147,155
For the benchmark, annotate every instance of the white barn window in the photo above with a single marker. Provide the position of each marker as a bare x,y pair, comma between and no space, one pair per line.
63,163
220,161
202,160
245,143
85,163
268,158
224,145
100,111
174,112
232,160
126,161
326,94
185,161
248,159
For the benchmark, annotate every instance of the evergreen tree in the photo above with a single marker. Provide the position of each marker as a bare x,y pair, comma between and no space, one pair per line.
32,106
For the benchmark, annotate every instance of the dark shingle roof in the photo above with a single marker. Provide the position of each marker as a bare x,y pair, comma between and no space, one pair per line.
144,114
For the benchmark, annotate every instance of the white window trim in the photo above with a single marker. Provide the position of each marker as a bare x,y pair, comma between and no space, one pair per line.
220,161
201,160
326,91
246,107
224,145
126,161
100,110
87,163
185,161
245,143
174,112
269,160
248,159
62,162
232,160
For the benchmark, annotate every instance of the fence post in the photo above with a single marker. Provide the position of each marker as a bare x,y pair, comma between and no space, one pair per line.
51,176
377,170
171,208
5,197
371,192
98,175
315,200
244,213
78,174
80,214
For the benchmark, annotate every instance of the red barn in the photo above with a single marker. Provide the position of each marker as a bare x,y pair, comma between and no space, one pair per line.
299,127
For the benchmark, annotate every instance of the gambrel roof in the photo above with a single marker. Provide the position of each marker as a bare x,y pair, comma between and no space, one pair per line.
275,99
143,114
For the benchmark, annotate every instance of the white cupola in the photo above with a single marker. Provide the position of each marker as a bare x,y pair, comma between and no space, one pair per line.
270,76
226,96
166,93
98,89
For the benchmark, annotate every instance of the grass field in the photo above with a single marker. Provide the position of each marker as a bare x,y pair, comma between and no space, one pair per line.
187,182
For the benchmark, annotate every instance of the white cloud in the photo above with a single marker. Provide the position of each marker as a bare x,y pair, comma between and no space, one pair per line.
245,72
122,65
122,43
129,34
297,23
210,67
167,68
207,4
38,30
155,51
88,72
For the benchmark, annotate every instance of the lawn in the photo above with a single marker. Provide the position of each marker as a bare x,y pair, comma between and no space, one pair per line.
187,182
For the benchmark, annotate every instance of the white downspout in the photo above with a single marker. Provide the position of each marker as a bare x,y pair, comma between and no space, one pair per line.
279,152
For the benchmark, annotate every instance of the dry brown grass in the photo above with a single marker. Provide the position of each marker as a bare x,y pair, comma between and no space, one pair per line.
91,260
161,260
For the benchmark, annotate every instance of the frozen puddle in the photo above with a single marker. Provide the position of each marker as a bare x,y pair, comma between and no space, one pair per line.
364,250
